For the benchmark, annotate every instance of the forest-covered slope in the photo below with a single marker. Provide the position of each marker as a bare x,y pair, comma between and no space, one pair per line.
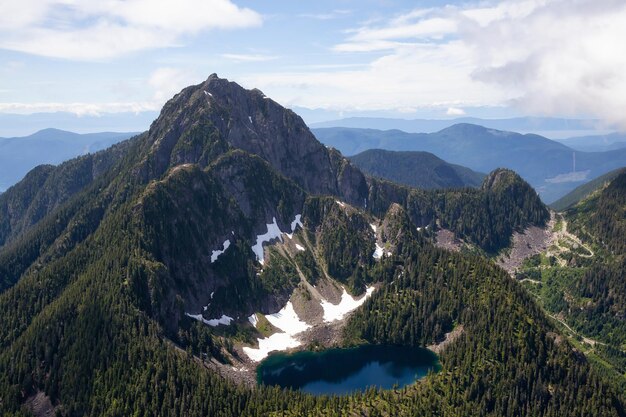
580,280
583,191
96,295
416,169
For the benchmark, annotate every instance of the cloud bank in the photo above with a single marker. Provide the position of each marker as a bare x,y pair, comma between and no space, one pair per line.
99,30
545,57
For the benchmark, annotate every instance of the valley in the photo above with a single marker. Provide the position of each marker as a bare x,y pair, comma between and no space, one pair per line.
152,277
557,277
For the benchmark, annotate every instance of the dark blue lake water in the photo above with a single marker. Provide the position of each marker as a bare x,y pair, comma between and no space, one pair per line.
341,371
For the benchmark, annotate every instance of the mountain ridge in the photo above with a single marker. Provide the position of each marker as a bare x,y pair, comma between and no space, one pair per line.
18,155
104,291
548,165
544,126
416,169
583,191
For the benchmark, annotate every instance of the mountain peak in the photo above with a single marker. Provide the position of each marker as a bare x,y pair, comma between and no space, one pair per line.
467,127
206,120
500,178
52,134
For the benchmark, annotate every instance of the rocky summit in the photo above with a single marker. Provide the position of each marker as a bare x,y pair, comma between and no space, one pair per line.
152,277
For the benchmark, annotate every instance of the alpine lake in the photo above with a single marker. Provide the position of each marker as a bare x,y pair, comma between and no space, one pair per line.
343,371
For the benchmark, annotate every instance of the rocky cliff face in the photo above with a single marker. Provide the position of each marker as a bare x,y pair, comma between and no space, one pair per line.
206,120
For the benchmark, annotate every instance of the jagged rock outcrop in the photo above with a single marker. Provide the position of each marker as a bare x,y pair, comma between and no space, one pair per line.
208,119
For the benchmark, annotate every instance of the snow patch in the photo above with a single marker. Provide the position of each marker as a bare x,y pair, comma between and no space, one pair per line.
347,304
300,248
340,203
295,223
253,319
225,320
206,93
250,118
373,226
273,232
379,252
286,320
216,253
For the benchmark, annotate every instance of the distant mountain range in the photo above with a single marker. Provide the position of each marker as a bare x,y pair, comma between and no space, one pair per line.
25,124
416,169
596,143
546,126
551,167
49,146
151,277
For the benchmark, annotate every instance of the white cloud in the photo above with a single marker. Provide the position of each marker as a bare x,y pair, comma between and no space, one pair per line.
562,57
96,30
412,76
455,111
335,14
80,109
167,81
164,82
547,57
249,57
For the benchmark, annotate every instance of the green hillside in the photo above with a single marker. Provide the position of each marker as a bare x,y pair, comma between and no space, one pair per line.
416,169
103,293
583,191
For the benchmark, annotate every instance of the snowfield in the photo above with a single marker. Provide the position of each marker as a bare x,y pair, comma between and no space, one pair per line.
290,324
347,304
286,320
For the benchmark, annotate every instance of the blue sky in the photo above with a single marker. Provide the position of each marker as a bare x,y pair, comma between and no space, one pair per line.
384,58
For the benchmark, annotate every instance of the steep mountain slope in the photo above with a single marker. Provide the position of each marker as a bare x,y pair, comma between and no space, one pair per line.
601,216
584,285
416,169
46,188
485,217
583,191
110,302
49,146
547,165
